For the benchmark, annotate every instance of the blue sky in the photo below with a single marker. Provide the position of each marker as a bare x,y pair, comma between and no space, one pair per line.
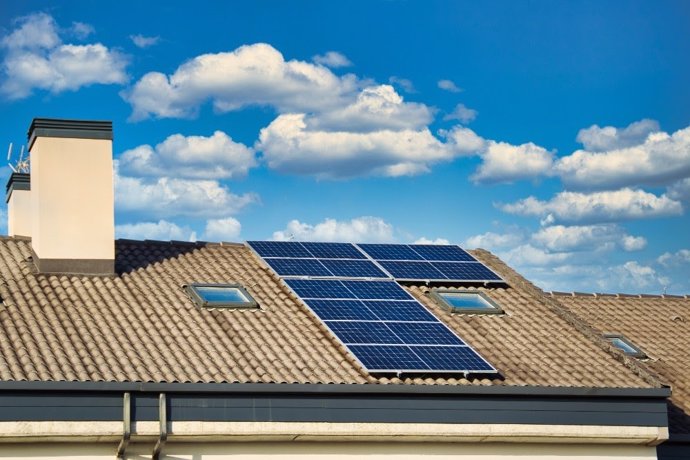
555,134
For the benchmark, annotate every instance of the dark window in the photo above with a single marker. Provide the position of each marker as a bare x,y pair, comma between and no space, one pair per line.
221,295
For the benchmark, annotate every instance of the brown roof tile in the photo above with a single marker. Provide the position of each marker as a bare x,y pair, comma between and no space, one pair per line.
140,325
660,326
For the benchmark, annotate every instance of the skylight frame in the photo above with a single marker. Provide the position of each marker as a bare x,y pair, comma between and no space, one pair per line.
194,293
489,306
637,351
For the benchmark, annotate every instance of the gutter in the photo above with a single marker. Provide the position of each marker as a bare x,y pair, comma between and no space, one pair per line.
344,389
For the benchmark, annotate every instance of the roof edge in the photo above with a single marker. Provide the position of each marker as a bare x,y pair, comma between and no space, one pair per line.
333,388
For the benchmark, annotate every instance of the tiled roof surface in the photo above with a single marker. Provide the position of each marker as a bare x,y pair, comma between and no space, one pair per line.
140,325
660,326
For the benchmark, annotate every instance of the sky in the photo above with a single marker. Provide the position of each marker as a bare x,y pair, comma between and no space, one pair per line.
554,134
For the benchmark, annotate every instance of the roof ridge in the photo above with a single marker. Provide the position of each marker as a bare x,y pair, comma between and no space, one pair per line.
617,295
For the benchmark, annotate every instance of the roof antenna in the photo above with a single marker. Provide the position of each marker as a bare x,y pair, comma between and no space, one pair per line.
9,152
22,165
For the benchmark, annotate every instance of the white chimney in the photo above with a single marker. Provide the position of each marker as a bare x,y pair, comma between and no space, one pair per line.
72,207
19,205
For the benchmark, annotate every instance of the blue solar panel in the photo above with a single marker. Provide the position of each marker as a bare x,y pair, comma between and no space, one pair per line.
353,268
424,334
279,248
320,289
382,358
390,252
298,267
468,271
333,251
410,310
446,253
411,270
379,322
452,358
327,309
363,332
377,290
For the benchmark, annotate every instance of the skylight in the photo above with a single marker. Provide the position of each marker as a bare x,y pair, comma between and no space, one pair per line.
221,295
465,301
625,345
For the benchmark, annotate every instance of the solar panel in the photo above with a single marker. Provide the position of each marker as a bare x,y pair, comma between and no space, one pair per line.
429,262
333,250
379,322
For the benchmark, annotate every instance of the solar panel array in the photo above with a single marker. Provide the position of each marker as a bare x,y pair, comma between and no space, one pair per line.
402,262
428,262
385,328
349,288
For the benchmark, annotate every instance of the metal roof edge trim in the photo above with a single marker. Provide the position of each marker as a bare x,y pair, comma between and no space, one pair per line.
335,388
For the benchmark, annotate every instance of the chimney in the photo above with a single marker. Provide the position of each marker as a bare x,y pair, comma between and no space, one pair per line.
19,205
72,207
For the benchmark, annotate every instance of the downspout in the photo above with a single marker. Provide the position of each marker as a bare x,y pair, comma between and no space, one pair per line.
163,423
127,426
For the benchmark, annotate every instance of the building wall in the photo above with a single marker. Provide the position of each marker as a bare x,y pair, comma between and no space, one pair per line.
330,451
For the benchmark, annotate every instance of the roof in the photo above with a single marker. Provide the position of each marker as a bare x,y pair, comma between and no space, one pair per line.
140,326
659,325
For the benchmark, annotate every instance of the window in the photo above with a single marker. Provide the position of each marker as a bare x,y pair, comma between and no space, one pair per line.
465,301
626,346
221,295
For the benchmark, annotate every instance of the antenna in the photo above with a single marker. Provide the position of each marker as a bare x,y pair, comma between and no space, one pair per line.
9,152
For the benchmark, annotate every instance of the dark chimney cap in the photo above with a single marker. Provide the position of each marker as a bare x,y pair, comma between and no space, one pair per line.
80,129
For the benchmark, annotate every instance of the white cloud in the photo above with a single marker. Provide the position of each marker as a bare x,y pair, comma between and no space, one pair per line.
596,139
660,159
250,75
376,108
464,141
82,30
289,146
195,157
529,255
609,206
503,162
226,229
142,41
360,229
161,230
449,85
680,190
559,238
167,197
332,59
462,113
35,58
676,259
494,241
424,240
403,83
634,277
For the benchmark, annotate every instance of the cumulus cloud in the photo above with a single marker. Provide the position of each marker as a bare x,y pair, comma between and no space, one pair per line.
36,58
636,277
680,190
82,30
250,75
161,230
424,240
503,162
462,113
290,146
332,59
142,41
226,229
530,255
596,139
494,241
675,259
360,229
449,85
167,197
560,238
403,83
609,206
194,157
660,159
